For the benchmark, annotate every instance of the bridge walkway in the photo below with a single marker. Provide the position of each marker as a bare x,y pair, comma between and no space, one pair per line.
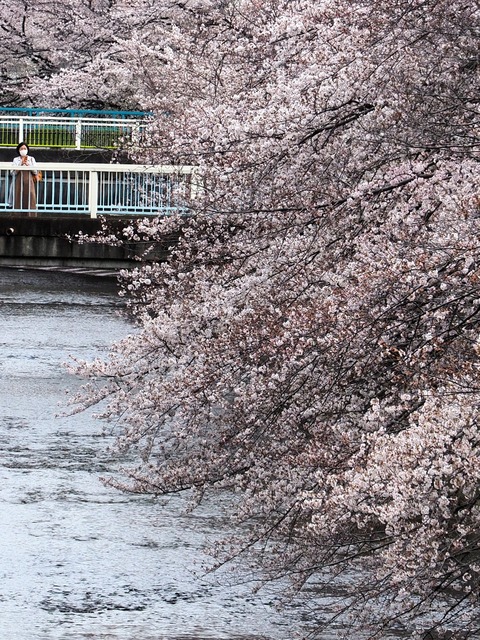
78,129
73,194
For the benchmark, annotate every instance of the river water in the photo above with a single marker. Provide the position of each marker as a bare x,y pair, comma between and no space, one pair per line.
79,560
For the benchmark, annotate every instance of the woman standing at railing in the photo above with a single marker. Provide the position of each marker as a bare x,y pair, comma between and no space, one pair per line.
23,188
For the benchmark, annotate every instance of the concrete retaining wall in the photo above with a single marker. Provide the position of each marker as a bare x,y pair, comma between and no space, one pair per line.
51,241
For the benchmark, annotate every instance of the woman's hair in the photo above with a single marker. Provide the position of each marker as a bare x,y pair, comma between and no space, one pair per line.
22,144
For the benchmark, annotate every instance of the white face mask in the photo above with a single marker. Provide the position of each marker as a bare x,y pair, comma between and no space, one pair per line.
23,152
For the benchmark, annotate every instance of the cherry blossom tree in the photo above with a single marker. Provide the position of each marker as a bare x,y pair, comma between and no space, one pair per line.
75,53
310,348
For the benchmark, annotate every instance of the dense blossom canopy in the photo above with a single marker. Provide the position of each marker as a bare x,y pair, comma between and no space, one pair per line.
77,53
312,344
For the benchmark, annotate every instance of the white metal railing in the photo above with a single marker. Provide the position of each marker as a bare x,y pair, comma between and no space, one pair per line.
70,132
97,189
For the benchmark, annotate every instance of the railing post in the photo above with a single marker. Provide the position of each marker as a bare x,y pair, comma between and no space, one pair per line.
20,130
78,134
93,193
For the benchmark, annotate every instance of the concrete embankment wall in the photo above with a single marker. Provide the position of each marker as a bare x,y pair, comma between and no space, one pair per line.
53,241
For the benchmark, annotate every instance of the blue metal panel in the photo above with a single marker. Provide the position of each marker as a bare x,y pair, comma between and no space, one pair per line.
73,113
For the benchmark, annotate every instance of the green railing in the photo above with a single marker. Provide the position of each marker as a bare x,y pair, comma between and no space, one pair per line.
66,129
